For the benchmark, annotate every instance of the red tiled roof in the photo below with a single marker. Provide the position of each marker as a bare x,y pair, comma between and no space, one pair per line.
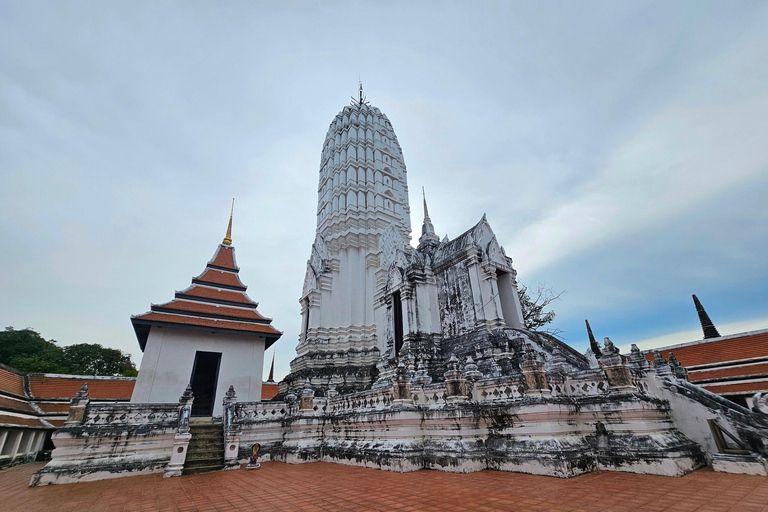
729,371
211,309
719,350
224,257
16,405
53,407
204,304
6,419
171,318
11,383
210,293
48,386
56,423
268,391
743,387
220,277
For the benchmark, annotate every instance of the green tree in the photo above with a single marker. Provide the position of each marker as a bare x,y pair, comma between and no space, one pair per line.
29,352
93,359
533,303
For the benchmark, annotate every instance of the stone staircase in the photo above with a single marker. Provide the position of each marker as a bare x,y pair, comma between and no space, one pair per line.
206,448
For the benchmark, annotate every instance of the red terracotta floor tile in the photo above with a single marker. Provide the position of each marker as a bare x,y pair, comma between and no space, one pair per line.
322,487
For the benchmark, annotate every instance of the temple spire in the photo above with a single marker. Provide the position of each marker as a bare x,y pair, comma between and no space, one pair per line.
427,229
592,341
361,99
709,329
272,370
228,237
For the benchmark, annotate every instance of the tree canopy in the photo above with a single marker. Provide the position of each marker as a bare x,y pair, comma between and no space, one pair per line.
27,351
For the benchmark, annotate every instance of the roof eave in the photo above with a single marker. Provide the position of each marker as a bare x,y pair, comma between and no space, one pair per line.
142,328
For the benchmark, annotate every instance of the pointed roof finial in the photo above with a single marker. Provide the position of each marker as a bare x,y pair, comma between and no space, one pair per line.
427,229
228,237
709,329
360,100
272,370
593,342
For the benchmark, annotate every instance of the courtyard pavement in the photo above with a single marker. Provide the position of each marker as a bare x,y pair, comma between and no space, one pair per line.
321,486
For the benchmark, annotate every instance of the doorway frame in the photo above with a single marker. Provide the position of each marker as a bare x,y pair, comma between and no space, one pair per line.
215,382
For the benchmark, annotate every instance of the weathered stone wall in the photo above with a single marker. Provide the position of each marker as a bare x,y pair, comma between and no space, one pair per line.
111,440
578,424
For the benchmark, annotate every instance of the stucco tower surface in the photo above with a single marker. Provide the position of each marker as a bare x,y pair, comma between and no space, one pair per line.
362,191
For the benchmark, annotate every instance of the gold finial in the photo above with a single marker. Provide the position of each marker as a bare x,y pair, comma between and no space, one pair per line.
228,238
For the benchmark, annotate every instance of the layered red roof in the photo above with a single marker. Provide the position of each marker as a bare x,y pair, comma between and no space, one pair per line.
205,305
186,306
66,387
718,350
752,370
727,365
41,400
741,387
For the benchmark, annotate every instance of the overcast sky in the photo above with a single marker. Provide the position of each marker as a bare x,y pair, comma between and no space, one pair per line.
619,149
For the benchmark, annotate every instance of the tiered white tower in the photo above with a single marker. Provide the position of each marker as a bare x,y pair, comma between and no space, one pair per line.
362,193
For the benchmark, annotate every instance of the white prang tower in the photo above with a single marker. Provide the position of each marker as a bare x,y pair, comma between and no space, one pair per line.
362,196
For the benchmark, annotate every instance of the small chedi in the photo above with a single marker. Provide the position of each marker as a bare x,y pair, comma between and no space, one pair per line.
415,358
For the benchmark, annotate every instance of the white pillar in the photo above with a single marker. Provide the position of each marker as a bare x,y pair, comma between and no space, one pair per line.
3,438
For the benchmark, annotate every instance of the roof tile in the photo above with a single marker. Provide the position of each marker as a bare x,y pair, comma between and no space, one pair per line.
220,277
224,257
210,293
48,386
11,383
268,391
18,421
719,350
16,405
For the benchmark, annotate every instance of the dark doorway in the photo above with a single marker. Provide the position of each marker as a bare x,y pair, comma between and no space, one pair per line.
205,376
397,308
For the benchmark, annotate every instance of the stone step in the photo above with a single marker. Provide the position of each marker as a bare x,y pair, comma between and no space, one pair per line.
206,440
206,444
207,437
218,433
210,461
207,432
202,469
206,448
205,455
205,426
